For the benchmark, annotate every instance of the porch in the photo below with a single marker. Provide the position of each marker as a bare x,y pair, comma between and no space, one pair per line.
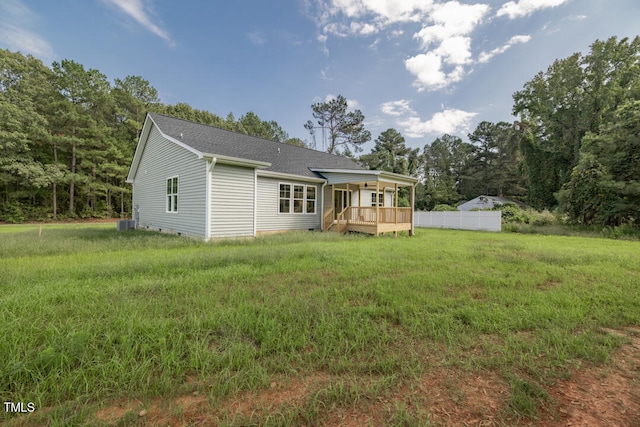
367,201
370,220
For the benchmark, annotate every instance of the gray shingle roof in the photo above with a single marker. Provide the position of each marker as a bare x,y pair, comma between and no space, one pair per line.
284,158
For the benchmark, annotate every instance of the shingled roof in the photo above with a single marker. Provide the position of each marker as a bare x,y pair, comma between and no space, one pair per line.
284,158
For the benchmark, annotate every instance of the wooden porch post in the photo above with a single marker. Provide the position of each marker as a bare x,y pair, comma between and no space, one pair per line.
377,206
395,232
333,202
413,197
348,196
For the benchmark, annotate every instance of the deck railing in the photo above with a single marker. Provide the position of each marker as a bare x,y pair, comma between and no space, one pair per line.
327,220
343,220
367,215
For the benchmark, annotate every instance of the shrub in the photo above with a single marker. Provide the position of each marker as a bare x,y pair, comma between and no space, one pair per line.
12,213
444,208
512,213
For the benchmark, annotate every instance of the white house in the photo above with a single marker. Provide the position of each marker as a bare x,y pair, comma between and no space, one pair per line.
486,202
202,181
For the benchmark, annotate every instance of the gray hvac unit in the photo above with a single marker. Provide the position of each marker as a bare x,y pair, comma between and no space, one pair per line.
126,224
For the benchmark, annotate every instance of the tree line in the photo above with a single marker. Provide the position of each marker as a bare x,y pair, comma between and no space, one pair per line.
67,137
575,146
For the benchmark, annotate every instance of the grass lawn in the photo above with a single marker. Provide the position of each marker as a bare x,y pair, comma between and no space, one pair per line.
301,328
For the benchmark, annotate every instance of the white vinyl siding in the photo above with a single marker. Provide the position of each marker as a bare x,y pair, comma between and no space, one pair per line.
368,197
161,160
269,201
232,206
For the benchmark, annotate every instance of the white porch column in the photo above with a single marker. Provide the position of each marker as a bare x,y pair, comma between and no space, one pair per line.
377,206
413,201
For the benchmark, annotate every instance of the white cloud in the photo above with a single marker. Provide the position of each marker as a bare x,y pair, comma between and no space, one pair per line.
487,56
397,108
385,11
451,19
364,17
363,29
451,121
453,24
427,67
16,21
136,10
455,50
520,8
445,37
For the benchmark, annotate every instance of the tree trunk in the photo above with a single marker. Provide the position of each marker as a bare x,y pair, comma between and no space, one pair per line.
72,182
54,201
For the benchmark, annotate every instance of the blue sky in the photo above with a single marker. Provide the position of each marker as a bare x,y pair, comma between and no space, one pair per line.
423,67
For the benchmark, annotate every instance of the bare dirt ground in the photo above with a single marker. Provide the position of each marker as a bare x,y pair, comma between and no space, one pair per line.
607,395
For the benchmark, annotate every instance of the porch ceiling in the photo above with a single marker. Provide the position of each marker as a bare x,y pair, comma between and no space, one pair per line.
367,178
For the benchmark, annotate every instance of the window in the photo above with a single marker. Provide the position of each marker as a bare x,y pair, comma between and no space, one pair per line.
380,197
172,194
311,200
285,198
297,199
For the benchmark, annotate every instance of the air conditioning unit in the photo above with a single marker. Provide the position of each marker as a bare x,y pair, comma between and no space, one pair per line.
126,224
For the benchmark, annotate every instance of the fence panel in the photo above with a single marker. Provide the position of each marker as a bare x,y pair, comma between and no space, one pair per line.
473,220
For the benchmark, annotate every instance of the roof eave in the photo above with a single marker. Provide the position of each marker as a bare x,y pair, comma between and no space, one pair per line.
235,161
290,176
142,140
380,175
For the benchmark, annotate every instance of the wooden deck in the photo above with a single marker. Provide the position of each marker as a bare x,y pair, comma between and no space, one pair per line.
370,220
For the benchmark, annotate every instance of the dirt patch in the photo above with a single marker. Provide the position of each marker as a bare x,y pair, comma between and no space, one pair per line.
111,414
603,395
458,398
292,392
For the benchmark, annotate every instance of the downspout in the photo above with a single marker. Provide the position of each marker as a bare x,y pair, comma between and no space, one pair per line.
210,163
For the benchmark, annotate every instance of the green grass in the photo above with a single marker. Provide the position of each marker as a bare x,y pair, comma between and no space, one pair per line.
90,315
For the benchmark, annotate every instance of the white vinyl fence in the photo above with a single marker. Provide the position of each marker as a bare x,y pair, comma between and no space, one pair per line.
469,220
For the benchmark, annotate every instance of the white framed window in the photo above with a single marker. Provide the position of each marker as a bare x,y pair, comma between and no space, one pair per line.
297,199
172,194
285,198
311,200
377,198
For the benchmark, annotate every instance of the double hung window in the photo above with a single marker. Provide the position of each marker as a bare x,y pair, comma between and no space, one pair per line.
297,199
172,194
377,198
